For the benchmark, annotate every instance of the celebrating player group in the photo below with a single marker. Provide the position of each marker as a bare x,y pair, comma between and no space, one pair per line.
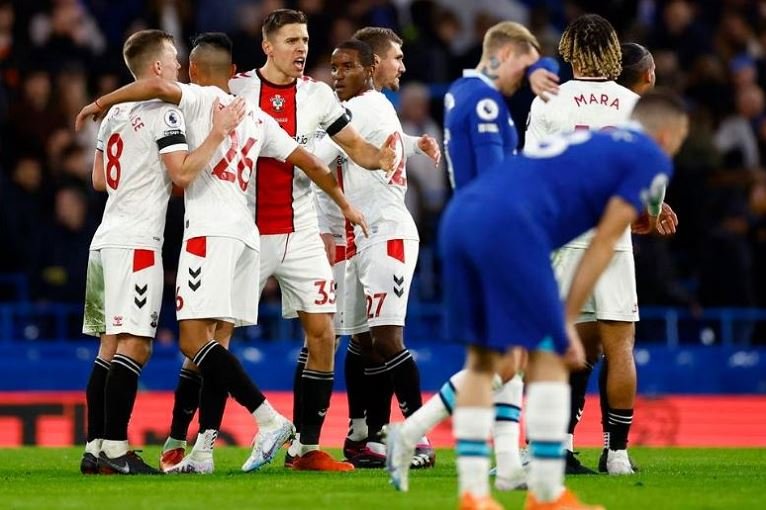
287,177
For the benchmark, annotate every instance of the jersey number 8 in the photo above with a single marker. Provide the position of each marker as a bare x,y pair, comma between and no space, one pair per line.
114,148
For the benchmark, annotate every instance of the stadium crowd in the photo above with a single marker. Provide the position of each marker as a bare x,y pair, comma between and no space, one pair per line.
57,55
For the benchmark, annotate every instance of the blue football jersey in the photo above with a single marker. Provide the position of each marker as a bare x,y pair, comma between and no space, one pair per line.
563,184
478,129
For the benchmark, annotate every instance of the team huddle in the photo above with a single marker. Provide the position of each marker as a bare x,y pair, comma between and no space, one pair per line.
284,176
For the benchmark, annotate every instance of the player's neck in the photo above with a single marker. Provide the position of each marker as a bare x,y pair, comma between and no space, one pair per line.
489,70
272,74
582,76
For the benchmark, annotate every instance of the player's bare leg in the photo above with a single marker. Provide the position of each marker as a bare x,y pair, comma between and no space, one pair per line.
472,425
132,353
317,381
578,381
547,411
94,398
617,338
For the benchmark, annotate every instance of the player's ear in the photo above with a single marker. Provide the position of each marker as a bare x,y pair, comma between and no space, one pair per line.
157,68
377,61
233,70
267,46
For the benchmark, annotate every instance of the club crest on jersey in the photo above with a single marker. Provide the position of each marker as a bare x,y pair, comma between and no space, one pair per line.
173,119
278,103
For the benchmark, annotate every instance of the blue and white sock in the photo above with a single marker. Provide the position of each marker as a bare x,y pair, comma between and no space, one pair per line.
547,419
472,427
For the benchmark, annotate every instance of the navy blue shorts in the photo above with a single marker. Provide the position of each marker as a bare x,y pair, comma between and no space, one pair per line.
500,290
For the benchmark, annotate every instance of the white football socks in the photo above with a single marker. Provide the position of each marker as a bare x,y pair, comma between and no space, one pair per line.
506,430
547,419
471,427
114,449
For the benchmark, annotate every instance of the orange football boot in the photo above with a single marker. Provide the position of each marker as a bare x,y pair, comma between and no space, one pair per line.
470,502
317,460
567,501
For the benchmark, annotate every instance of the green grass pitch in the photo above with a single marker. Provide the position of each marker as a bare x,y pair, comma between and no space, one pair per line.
698,479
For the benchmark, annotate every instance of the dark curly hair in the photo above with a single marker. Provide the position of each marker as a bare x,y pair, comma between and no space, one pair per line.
591,46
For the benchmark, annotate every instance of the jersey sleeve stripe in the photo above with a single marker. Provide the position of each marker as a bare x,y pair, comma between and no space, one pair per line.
167,141
338,124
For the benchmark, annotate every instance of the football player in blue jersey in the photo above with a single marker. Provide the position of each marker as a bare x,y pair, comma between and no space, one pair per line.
478,129
496,238
478,134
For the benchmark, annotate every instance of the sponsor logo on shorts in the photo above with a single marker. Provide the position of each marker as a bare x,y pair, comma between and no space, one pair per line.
154,318
117,321
398,285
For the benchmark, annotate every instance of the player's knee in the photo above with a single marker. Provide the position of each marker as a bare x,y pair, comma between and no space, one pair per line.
483,360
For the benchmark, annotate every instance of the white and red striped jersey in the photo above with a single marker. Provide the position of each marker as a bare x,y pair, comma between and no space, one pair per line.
285,203
220,201
132,136
582,104
380,197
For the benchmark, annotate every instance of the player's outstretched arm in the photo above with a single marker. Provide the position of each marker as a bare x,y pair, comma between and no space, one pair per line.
321,175
139,90
365,154
183,167
426,145
98,175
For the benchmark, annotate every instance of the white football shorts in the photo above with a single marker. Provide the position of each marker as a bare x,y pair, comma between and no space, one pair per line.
614,298
123,292
377,285
299,263
217,278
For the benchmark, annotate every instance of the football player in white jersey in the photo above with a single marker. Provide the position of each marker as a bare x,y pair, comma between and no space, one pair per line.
214,296
125,278
292,250
594,100
379,268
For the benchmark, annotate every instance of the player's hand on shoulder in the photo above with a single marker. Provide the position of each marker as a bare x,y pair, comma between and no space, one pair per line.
355,217
226,119
430,148
544,83
92,110
667,221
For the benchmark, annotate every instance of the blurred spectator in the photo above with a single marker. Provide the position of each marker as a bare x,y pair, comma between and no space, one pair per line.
247,40
426,200
681,32
736,137
510,10
60,275
22,214
68,33
34,117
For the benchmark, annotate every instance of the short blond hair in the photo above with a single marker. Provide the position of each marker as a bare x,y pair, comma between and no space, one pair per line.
509,32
